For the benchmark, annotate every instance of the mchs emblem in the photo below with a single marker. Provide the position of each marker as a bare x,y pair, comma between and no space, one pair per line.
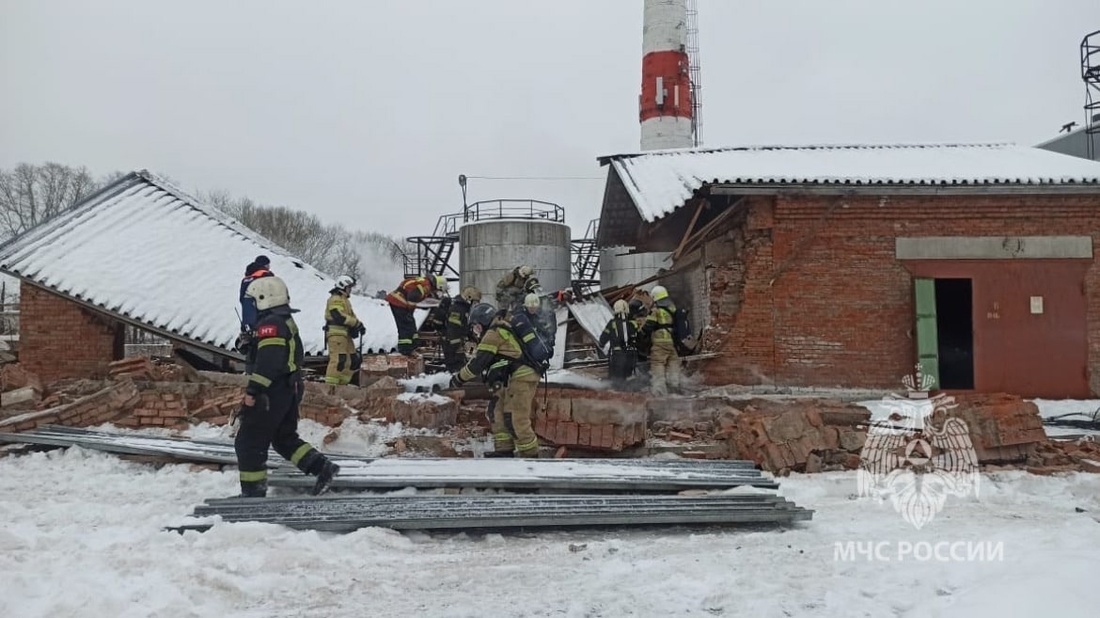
914,462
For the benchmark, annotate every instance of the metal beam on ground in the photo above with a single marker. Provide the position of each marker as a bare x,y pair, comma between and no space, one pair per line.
346,514
429,473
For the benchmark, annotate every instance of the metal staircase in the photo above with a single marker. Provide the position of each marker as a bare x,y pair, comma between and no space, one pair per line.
432,254
586,260
1090,74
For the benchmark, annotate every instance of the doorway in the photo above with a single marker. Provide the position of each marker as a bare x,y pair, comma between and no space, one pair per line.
955,332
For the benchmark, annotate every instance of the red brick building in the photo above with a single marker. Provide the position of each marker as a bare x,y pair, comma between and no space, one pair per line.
843,266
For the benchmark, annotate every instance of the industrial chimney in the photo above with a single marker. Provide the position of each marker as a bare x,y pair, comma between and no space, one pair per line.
665,103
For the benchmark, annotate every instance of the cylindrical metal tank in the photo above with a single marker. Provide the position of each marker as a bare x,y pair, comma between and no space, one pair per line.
619,268
488,249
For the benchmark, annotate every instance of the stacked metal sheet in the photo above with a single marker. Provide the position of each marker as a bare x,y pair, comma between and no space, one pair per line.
484,512
127,444
600,475
598,492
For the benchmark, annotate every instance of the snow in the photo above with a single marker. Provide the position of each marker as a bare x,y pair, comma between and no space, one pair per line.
144,250
659,182
565,377
560,377
424,398
426,381
1082,409
82,536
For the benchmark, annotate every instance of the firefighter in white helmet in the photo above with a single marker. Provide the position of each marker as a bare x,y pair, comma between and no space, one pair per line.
341,326
269,411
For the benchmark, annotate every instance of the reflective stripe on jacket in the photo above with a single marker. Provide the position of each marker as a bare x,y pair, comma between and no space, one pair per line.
410,292
339,316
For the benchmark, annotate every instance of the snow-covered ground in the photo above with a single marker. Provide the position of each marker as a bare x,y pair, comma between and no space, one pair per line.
81,536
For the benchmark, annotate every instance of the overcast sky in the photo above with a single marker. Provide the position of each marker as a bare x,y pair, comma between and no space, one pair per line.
365,112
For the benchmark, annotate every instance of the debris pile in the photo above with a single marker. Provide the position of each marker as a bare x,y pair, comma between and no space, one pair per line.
805,435
597,420
814,435
1080,455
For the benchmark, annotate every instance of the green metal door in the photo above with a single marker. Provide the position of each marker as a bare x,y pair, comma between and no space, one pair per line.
928,351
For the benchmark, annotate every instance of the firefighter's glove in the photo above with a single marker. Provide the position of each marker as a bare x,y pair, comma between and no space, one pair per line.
532,286
360,330
259,402
456,382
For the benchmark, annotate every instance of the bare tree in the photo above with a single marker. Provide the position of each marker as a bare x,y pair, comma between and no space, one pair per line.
371,257
32,194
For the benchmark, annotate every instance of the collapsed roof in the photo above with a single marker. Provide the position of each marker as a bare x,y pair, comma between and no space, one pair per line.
145,252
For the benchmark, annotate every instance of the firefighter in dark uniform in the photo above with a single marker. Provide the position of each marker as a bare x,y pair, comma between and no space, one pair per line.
621,333
457,328
269,413
500,366
260,267
403,302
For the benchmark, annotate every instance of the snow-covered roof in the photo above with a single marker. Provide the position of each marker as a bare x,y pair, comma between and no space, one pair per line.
146,252
659,182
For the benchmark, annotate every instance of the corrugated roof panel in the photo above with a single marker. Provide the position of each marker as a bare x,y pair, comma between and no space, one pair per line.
659,182
592,314
143,250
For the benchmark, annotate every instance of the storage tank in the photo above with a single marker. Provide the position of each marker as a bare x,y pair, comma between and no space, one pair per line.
619,268
500,235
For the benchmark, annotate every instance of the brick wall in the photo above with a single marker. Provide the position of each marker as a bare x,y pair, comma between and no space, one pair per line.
60,339
807,290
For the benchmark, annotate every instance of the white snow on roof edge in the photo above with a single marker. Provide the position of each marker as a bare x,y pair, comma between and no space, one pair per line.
659,182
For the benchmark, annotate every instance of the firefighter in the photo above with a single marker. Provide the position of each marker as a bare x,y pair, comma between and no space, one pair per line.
545,322
621,333
638,314
341,326
499,364
514,286
664,361
457,327
269,411
260,267
403,302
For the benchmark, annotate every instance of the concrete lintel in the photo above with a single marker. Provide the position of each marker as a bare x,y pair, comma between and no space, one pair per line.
993,247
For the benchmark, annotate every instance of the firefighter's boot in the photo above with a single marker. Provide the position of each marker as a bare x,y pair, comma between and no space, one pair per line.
253,489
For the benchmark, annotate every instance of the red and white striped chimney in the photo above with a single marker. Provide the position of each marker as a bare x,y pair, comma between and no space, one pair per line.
665,102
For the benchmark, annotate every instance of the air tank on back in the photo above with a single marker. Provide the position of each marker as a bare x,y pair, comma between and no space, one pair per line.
499,235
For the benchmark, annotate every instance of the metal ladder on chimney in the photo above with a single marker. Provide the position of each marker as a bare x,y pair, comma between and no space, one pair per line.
694,71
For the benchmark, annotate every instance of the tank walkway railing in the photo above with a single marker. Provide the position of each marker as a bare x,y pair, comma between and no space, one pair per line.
586,259
448,225
433,253
537,210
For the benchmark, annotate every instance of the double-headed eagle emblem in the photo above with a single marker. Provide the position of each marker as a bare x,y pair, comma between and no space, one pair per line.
912,461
